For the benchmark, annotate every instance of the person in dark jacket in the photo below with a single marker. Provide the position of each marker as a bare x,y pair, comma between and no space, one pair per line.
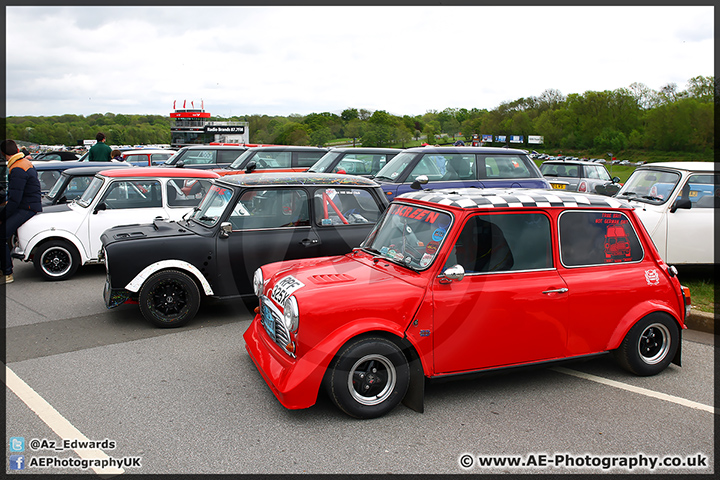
23,200
100,152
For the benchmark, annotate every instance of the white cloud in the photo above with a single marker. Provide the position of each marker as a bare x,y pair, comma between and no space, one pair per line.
283,60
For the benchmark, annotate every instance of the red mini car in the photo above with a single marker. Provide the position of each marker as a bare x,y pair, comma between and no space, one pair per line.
451,282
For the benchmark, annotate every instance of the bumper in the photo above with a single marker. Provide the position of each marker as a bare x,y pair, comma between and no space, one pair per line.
114,297
295,382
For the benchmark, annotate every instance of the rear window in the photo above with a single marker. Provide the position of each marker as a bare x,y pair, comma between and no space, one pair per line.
597,238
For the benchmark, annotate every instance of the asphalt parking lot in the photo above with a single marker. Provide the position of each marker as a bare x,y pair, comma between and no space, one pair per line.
190,400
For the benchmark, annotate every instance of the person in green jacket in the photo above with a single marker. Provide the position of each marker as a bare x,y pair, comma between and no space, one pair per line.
99,152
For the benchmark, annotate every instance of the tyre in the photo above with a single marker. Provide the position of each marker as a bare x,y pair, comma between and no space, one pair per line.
169,298
368,378
650,345
56,260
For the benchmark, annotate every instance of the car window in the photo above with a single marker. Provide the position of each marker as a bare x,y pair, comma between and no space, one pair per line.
199,157
362,163
186,192
136,157
324,163
409,235
650,186
273,159
445,167
395,167
89,194
212,206
160,157
143,193
48,179
504,166
508,242
700,189
274,208
345,206
76,186
227,156
308,159
597,238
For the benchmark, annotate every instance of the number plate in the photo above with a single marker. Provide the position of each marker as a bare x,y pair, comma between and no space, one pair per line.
268,321
558,186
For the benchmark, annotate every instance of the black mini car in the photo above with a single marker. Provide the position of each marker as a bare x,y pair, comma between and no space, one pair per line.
243,222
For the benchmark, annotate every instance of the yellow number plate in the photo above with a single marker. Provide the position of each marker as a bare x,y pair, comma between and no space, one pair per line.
558,186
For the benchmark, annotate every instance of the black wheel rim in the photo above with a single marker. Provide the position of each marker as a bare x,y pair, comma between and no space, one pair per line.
56,261
372,379
169,298
654,343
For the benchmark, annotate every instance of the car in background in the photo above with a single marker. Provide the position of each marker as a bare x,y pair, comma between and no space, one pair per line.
459,167
243,222
49,172
363,161
457,282
580,176
205,156
278,158
62,237
73,182
147,157
676,202
56,156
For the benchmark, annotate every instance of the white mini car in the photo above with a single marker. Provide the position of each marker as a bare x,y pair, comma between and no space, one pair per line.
63,237
675,201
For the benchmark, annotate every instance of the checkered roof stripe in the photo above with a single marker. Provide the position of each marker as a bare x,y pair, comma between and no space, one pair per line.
514,198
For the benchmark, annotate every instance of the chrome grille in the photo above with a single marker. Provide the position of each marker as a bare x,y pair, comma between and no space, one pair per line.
274,326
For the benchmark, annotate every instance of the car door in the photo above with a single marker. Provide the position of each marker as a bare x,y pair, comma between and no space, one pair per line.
343,217
268,225
690,231
511,305
124,202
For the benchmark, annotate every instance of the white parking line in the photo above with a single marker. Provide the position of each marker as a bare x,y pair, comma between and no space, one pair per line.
642,391
55,420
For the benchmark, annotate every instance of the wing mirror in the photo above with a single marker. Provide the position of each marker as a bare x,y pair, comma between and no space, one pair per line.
225,229
456,272
180,164
419,181
100,206
250,167
683,203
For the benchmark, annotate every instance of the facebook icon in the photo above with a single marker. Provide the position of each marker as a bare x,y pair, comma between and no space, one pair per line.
17,462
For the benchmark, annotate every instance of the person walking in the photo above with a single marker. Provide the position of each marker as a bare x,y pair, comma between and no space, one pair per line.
23,200
100,152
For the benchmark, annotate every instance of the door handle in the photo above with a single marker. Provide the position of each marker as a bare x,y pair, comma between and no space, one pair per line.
306,242
559,290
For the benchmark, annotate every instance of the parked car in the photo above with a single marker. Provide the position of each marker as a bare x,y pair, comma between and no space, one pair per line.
62,237
205,156
459,167
279,158
363,161
147,157
58,155
73,182
580,176
243,222
459,281
676,202
49,172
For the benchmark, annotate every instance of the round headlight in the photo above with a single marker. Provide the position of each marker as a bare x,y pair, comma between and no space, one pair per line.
258,282
291,314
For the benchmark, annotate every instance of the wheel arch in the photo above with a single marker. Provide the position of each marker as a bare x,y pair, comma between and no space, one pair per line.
137,282
629,321
38,240
414,397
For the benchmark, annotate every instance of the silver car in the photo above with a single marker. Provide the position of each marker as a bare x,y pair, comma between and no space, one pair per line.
580,176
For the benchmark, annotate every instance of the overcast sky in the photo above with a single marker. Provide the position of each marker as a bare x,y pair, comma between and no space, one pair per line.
300,60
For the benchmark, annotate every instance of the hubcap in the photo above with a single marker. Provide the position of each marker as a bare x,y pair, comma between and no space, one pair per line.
169,297
654,343
56,261
372,379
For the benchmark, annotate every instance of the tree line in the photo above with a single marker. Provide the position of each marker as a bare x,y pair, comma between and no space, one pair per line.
635,117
